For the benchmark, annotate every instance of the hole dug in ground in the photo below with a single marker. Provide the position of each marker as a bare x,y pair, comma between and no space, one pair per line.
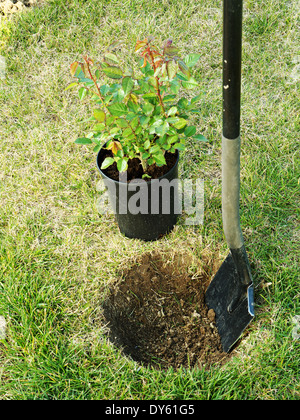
156,313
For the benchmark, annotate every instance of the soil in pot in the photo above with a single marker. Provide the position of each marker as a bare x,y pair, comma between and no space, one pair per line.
135,170
156,313
143,210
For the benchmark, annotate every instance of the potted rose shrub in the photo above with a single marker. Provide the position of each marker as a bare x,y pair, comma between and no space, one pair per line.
139,126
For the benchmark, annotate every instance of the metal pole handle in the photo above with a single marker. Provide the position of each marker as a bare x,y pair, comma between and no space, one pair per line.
232,54
232,59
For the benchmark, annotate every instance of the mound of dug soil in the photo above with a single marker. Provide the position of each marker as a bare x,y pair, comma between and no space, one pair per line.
13,6
158,316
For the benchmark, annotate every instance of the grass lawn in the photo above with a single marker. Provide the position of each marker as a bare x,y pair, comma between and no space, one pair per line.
58,255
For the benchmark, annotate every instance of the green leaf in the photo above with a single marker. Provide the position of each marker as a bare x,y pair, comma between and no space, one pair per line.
172,111
79,73
104,89
162,129
114,130
169,98
99,115
166,146
148,71
195,111
122,165
191,59
107,99
71,85
97,148
134,122
179,146
133,106
184,68
200,137
172,120
172,68
147,144
159,159
131,137
172,139
180,124
120,153
139,129
196,98
190,131
111,58
107,162
113,72
183,103
87,81
121,123
161,140
110,119
119,95
127,85
190,84
149,95
95,139
118,110
172,131
82,92
97,74
148,108
83,140
130,116
145,155
144,119
174,86
99,127
154,149
153,82
157,123
127,132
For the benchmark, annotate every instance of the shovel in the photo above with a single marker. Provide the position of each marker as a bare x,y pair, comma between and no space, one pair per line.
230,293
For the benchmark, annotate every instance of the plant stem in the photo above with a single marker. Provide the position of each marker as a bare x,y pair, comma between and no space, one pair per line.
96,84
144,164
160,98
157,80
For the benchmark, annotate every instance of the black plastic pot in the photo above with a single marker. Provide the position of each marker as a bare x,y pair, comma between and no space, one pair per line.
144,209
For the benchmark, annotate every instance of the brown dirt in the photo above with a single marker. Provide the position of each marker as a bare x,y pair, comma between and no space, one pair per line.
135,170
14,6
158,316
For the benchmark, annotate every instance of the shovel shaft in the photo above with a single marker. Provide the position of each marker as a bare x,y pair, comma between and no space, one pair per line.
230,293
232,57
232,47
231,144
231,192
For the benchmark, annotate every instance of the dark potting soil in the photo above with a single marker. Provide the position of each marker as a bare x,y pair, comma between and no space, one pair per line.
135,169
158,316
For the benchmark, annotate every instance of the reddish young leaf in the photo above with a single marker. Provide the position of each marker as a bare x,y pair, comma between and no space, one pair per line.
171,51
114,146
73,68
140,44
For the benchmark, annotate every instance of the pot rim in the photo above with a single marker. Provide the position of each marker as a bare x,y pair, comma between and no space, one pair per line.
137,179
